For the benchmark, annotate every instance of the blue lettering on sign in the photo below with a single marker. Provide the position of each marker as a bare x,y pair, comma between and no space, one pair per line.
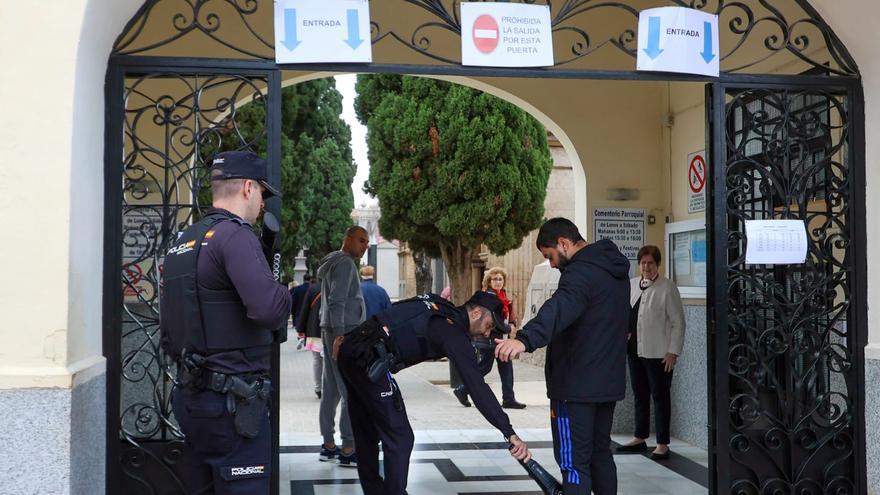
321,23
682,32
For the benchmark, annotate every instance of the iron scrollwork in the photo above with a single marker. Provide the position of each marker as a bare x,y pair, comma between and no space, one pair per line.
791,354
173,124
757,35
181,19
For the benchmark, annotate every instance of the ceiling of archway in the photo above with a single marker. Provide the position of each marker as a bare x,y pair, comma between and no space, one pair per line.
757,36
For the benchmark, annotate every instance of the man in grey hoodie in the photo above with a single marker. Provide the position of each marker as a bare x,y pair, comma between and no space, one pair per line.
342,309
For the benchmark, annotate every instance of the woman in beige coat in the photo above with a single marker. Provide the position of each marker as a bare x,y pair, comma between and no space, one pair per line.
656,337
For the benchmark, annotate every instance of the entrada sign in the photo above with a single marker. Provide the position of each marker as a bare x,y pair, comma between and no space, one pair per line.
678,39
309,31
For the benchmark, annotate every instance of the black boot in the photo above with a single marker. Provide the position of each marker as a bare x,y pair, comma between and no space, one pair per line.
462,396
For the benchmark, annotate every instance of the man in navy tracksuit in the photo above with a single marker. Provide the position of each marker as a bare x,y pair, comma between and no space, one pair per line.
584,325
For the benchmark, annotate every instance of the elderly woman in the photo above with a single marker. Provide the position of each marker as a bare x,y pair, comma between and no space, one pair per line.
656,336
494,281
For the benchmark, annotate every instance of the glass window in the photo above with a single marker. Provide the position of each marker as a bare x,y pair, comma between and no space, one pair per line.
687,257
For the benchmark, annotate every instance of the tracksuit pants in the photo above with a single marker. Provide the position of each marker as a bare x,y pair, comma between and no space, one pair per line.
582,446
333,393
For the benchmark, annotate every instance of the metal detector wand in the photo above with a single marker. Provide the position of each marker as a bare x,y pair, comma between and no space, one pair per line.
272,252
545,480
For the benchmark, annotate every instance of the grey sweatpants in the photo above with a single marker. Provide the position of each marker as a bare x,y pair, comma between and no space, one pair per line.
318,371
333,392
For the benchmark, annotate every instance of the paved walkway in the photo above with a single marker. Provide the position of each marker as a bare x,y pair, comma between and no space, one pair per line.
457,451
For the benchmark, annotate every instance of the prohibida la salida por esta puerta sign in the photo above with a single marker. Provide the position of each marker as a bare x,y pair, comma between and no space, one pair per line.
506,35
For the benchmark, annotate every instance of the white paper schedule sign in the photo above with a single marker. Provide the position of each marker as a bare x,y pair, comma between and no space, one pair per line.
776,242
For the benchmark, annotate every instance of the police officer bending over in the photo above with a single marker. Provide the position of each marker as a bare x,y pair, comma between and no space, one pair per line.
220,308
411,331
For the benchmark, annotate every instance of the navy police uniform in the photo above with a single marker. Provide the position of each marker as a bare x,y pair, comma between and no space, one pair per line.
221,308
411,331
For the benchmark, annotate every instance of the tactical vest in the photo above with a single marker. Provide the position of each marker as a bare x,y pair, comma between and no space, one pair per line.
198,319
407,322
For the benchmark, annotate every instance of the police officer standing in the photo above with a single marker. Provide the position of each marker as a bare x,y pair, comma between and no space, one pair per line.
221,308
409,332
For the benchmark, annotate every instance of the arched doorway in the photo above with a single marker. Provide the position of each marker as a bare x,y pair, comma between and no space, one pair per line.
785,135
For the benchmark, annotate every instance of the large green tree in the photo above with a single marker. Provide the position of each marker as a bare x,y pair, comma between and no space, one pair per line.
452,168
316,167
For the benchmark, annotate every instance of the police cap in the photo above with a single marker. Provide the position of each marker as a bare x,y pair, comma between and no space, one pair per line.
242,165
491,302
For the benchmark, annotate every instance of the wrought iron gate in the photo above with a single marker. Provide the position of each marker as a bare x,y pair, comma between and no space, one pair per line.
787,347
786,362
165,124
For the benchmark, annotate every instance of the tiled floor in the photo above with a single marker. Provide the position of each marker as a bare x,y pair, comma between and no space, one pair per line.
456,451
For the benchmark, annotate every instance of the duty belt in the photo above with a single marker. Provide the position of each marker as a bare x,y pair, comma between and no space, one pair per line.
247,395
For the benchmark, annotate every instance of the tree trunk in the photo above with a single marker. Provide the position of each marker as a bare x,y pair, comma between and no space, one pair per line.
457,259
424,277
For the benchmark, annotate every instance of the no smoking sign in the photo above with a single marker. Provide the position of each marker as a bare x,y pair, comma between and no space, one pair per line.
697,176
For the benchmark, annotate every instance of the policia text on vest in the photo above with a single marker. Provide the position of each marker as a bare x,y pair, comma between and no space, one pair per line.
410,332
221,308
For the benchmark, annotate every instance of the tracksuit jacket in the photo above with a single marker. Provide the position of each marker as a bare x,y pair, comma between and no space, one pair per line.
584,324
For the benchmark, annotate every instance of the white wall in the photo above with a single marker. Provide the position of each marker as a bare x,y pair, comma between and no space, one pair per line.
51,185
388,269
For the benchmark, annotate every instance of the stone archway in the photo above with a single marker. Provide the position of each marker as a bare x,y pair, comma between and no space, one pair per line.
145,50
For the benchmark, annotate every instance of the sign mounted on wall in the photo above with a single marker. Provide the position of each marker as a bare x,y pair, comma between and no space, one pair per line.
506,35
307,31
625,227
678,39
697,177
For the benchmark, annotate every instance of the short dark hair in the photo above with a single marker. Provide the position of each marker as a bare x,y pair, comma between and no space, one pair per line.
555,228
649,250
349,232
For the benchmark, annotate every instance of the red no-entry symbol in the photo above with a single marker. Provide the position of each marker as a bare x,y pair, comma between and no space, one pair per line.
133,276
697,174
485,33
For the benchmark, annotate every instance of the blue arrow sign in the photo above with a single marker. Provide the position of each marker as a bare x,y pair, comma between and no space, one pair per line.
653,49
707,42
354,30
290,41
